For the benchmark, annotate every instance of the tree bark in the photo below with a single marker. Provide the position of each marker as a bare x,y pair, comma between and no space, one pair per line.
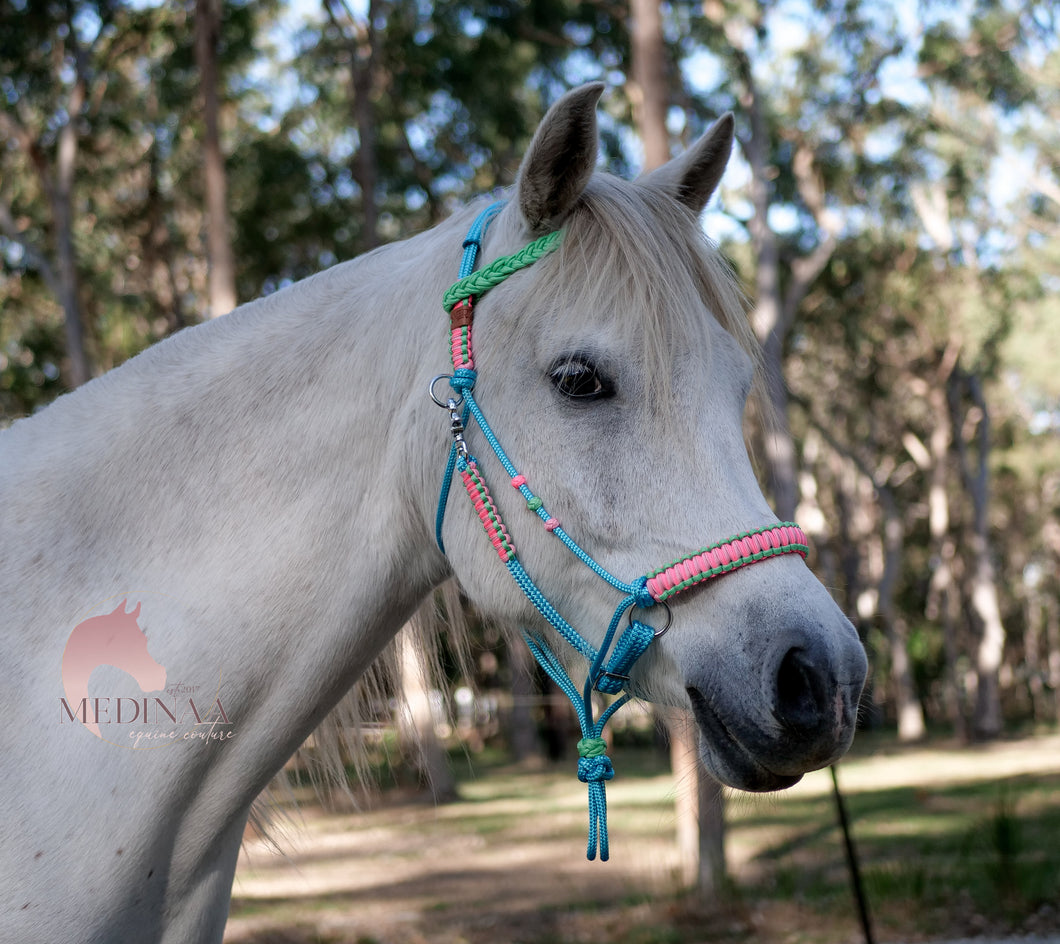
911,725
943,597
649,88
699,805
219,255
363,45
66,257
987,721
417,721
700,811
366,169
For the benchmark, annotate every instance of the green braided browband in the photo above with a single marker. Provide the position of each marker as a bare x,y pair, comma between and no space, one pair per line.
497,271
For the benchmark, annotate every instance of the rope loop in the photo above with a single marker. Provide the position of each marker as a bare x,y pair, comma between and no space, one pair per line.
631,645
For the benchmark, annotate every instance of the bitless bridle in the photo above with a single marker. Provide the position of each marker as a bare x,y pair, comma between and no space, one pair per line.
610,665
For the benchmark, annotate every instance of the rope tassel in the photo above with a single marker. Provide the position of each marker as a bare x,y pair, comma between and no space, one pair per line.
594,769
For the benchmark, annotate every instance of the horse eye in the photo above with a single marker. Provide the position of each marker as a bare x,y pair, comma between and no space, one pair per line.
577,378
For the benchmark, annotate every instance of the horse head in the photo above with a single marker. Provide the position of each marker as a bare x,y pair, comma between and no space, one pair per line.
615,370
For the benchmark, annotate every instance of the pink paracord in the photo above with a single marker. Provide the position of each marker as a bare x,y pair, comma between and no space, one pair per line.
748,548
487,512
461,348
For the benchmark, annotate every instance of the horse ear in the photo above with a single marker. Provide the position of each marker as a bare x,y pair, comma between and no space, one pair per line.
693,177
560,159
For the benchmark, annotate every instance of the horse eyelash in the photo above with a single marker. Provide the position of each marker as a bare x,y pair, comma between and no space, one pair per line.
561,369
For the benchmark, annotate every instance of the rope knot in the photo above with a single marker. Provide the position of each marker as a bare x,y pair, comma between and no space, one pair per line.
463,379
641,594
594,766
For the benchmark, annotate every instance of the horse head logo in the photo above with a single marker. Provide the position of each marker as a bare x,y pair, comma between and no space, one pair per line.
115,639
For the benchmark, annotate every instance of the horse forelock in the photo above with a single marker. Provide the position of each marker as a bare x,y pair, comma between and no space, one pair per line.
630,250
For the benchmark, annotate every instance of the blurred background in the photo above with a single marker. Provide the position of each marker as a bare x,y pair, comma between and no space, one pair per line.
893,209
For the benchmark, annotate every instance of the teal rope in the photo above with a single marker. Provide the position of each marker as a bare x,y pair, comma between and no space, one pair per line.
478,283
609,676
644,599
473,240
548,611
594,766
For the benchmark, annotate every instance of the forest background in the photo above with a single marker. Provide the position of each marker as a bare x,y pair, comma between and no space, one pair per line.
893,210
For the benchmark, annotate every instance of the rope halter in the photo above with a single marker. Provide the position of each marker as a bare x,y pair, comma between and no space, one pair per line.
611,664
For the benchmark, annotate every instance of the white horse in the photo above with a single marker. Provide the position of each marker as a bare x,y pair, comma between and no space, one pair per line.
262,489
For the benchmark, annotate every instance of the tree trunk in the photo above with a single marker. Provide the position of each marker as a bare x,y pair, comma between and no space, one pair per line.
987,720
66,259
220,260
1052,635
366,169
416,721
700,810
362,43
1033,609
522,734
768,320
942,600
649,88
700,824
910,712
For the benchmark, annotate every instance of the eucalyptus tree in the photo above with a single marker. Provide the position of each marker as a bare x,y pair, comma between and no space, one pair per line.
100,186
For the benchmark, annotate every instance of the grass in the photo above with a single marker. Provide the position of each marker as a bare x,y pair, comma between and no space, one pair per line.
936,858
951,843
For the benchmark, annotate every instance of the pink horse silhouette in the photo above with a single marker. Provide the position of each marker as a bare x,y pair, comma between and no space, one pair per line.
111,639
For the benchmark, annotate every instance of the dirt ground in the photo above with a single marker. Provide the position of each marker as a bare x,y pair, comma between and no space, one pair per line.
512,869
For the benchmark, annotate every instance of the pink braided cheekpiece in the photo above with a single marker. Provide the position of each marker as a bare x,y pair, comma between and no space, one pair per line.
740,551
487,512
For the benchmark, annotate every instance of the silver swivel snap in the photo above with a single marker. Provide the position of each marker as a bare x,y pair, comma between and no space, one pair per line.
456,422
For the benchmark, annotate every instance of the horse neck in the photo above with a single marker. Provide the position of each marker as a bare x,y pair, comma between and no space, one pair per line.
273,473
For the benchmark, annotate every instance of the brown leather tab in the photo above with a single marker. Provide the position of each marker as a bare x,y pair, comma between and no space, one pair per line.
461,315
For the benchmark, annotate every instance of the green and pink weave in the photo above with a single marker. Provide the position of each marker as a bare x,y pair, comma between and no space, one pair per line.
725,556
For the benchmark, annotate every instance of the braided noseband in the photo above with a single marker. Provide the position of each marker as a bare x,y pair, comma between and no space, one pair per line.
610,665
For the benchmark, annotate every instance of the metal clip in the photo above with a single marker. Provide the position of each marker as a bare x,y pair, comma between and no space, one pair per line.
456,423
456,428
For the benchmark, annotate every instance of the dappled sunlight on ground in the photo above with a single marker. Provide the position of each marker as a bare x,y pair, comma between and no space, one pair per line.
507,862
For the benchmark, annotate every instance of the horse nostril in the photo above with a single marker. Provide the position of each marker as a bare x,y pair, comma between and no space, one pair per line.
803,694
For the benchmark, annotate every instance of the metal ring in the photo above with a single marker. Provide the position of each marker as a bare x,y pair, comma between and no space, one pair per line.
444,404
669,617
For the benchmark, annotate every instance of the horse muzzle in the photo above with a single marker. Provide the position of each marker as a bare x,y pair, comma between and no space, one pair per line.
800,716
